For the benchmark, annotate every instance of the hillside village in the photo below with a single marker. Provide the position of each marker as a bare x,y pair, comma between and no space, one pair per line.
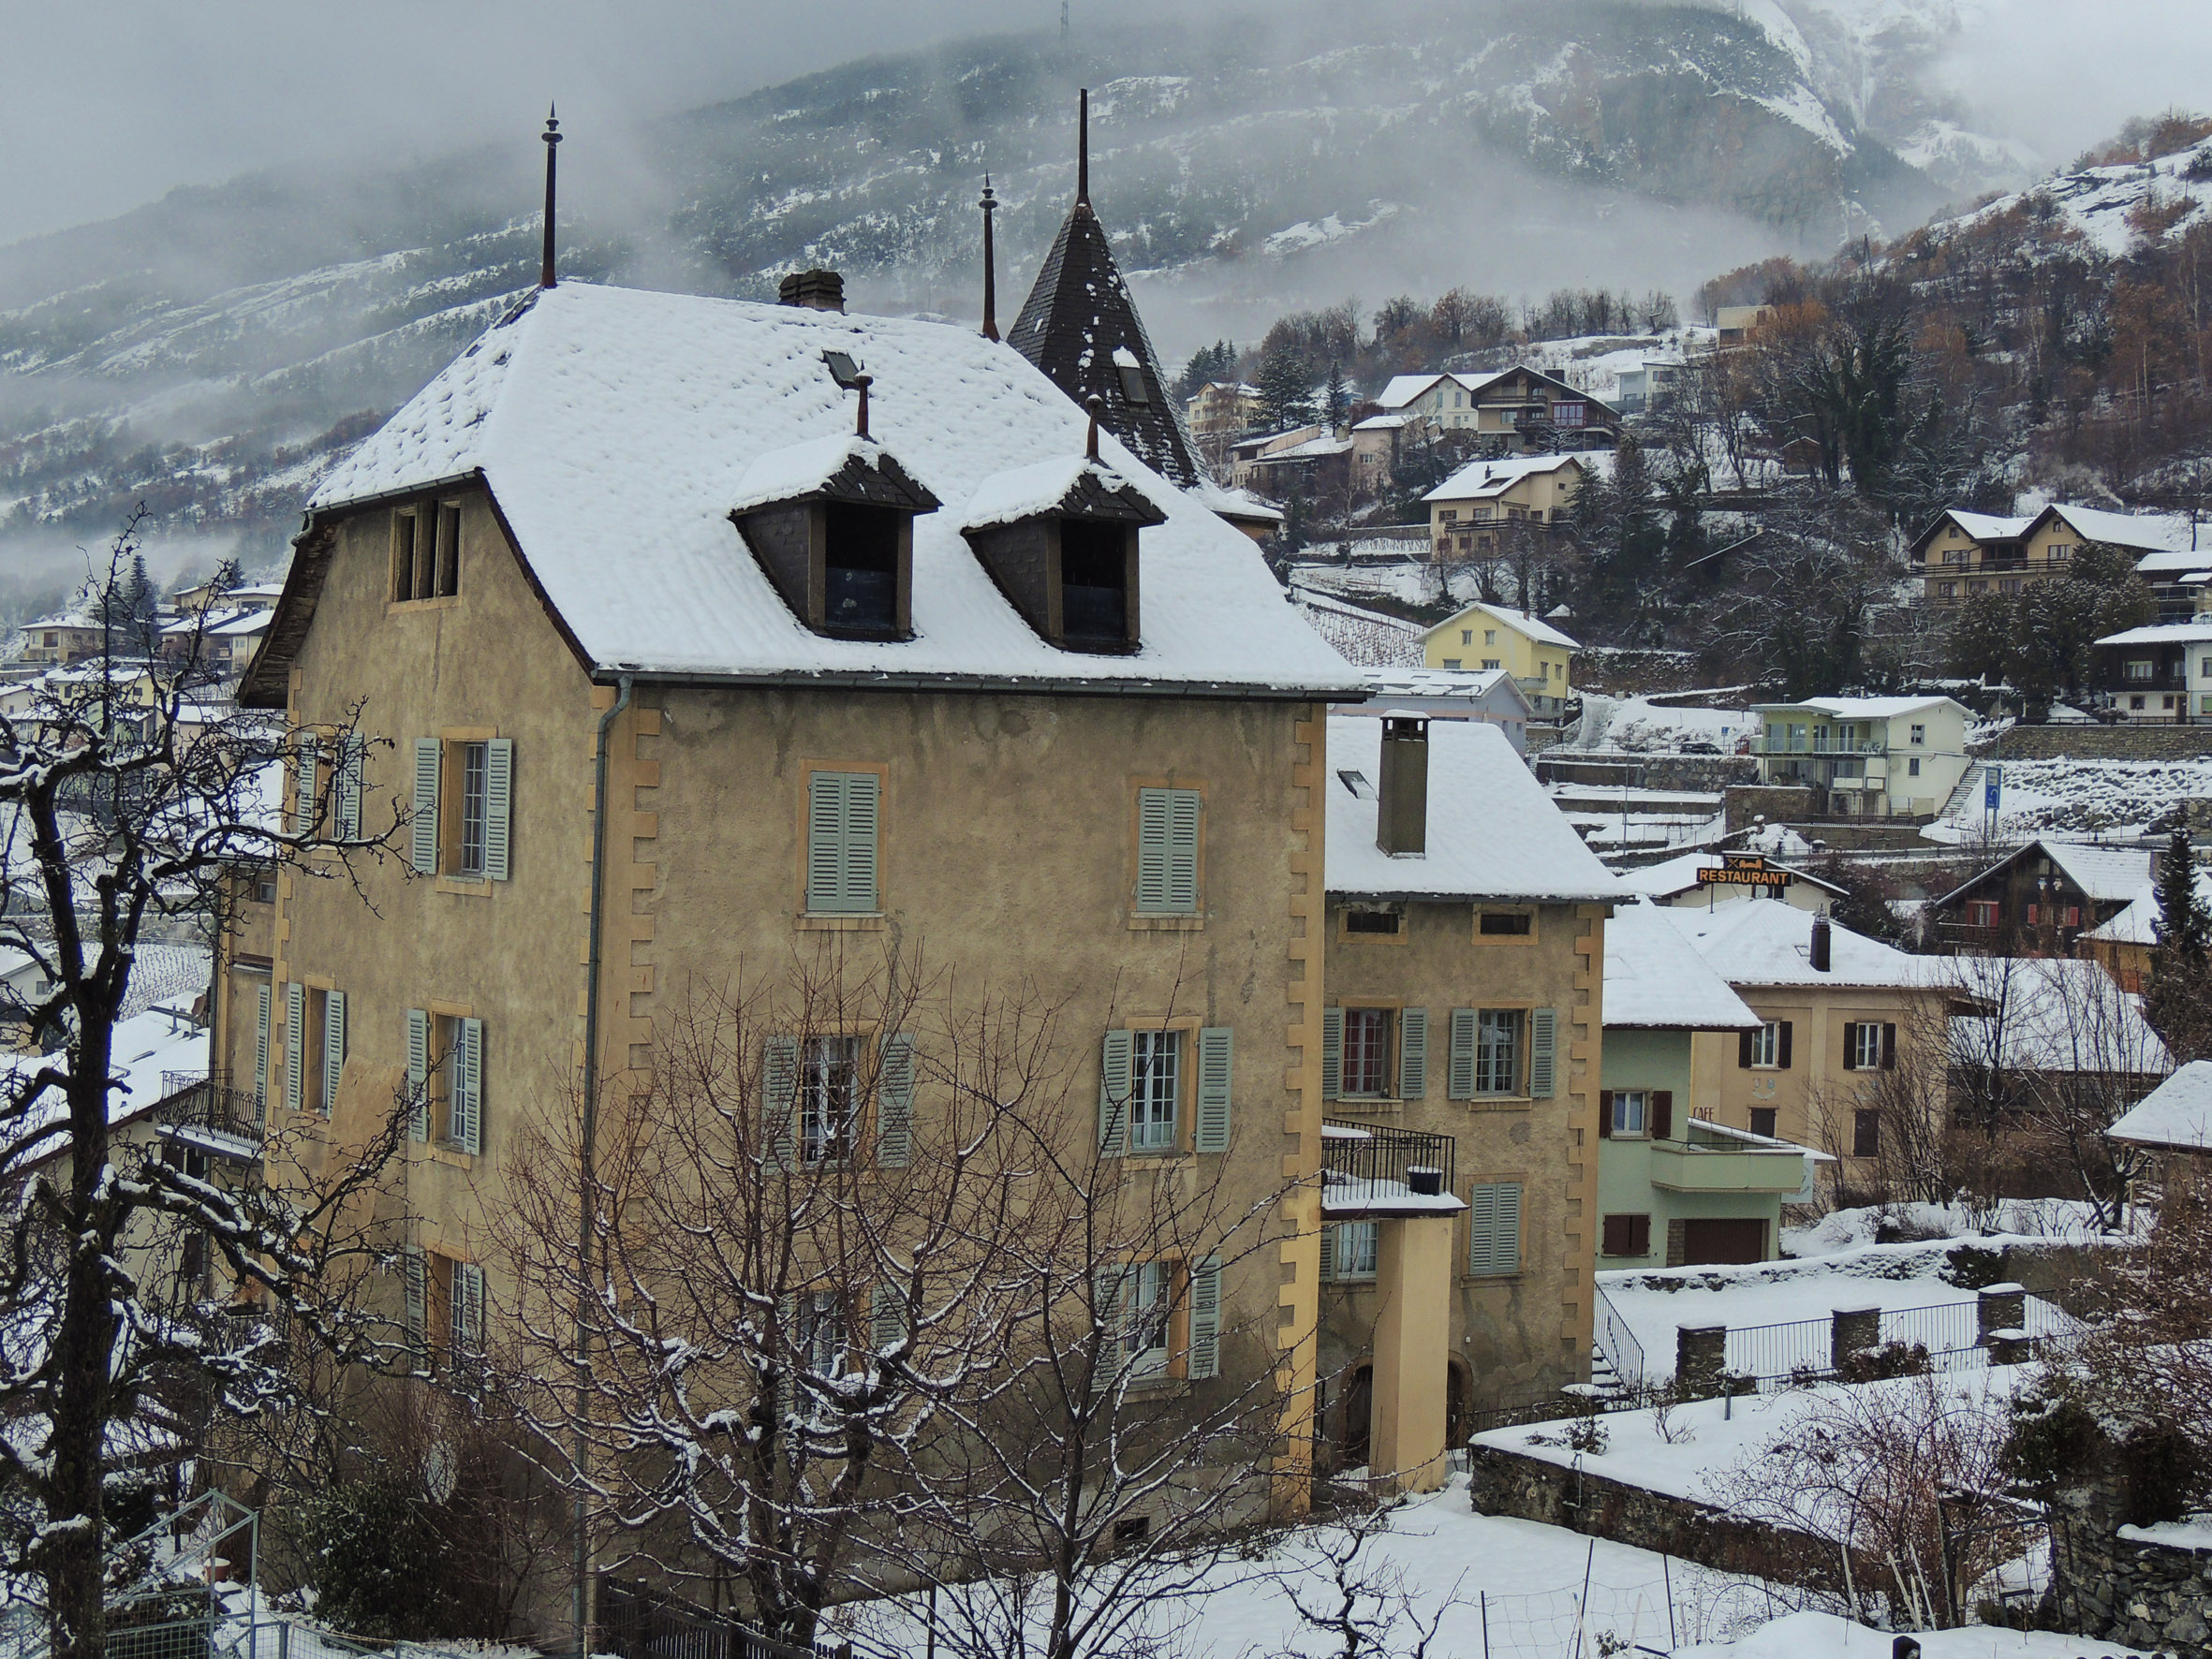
803,947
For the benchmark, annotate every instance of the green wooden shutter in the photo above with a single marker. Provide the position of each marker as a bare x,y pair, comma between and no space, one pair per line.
861,819
887,1318
1205,1318
1494,1228
1117,1058
1154,817
842,810
262,1014
498,805
1459,1082
467,1131
1543,1045
303,802
779,1100
1112,1290
1413,1054
295,1044
352,763
333,1046
1328,1252
1182,812
1332,1052
1216,1049
428,758
895,1103
416,1308
419,1073
468,1308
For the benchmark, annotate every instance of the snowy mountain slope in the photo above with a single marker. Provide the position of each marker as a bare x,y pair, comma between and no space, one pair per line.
2109,209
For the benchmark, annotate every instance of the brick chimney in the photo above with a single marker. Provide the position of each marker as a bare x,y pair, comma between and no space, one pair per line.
1401,798
1823,945
816,290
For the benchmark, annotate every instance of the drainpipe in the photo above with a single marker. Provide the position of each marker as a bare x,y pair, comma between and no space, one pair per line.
586,1165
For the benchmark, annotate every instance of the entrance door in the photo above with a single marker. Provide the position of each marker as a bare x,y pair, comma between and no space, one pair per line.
1716,1242
1359,1405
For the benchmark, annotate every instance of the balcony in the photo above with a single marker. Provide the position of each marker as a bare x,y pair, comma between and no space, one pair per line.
1689,1166
203,1111
1370,1171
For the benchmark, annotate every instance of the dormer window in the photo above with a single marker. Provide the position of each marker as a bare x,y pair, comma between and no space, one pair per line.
1061,540
831,524
426,552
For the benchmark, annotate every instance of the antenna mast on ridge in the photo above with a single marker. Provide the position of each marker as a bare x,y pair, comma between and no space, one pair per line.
552,138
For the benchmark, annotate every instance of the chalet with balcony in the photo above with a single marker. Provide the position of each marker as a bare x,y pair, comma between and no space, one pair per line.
2158,675
2039,900
1522,407
1475,510
1866,758
1962,554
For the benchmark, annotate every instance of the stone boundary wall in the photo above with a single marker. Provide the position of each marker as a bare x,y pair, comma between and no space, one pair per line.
2099,742
2155,1597
1701,774
1503,1482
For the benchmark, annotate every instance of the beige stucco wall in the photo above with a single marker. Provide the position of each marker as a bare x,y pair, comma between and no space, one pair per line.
1530,1331
1527,660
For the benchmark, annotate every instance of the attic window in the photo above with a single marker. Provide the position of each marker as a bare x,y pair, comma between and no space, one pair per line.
1372,921
1094,561
861,567
1060,538
1132,385
831,524
426,552
1357,783
843,370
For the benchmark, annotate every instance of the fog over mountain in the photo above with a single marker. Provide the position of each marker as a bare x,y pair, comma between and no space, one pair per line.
210,352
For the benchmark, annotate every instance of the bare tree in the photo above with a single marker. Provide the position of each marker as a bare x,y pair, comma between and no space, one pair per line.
1353,1596
120,812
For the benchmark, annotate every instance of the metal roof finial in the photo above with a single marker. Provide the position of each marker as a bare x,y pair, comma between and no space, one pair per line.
989,206
552,139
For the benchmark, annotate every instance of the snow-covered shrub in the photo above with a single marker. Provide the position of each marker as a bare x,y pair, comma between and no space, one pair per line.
376,1552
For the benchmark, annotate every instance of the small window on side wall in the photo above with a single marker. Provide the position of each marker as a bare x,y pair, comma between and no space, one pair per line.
426,552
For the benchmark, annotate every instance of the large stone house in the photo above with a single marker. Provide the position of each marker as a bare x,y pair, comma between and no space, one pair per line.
1463,1030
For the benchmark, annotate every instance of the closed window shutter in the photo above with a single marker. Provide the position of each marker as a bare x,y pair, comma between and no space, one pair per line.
1662,1114
1153,818
779,1100
1616,1235
1460,1083
895,1103
1639,1235
422,824
842,816
1494,1228
419,1073
1851,1045
416,1312
1167,851
1782,1055
1182,850
498,805
1332,1052
1111,1290
1889,1046
295,1044
861,816
1543,1044
333,1046
887,1318
262,1014
352,763
1216,1052
1116,1058
469,1307
1328,1252
1413,1054
1605,1116
303,802
1744,1041
1205,1318
468,1088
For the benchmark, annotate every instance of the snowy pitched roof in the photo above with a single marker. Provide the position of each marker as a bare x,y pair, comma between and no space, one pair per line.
1686,873
1542,632
1380,423
1493,832
2107,875
1656,979
1430,684
2176,1113
1989,526
2148,533
1867,708
2188,633
1402,389
614,428
1480,479
144,1049
2139,922
1768,945
2058,1014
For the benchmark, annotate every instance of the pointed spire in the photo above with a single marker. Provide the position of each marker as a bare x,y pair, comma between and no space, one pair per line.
1082,151
989,206
552,138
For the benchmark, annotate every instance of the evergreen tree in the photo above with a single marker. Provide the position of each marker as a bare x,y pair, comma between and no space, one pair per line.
1336,398
1286,389
2178,996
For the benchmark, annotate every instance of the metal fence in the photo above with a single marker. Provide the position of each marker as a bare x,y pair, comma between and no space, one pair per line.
1618,1343
1947,1335
1376,1161
640,1623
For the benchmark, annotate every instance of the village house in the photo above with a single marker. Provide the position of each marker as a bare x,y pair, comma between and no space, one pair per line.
1703,881
1376,443
1648,386
63,640
2038,900
219,643
1733,324
1463,1032
1509,405
2033,1031
1963,553
1677,1186
2122,946
1869,756
1837,1010
1223,410
1485,637
1471,511
2160,674
1491,697
2173,1124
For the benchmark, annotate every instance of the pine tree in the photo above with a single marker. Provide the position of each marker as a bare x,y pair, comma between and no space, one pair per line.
1286,389
1336,399
2177,997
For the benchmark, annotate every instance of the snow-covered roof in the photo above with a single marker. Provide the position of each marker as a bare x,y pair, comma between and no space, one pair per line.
1428,684
1042,487
1770,944
1312,450
2178,1113
2058,1014
1541,631
1655,977
1379,423
2188,633
1867,708
143,1048
2138,923
1493,832
1402,389
615,428
1479,479
2150,533
1989,526
2108,875
1686,873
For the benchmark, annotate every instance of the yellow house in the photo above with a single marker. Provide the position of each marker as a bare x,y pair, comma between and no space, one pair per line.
1485,635
1470,511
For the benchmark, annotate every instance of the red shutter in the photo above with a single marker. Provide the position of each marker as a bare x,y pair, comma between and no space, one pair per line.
1744,1041
1605,1128
1889,1047
1662,1114
1782,1056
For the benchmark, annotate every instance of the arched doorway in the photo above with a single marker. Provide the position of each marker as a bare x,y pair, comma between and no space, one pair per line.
1357,1415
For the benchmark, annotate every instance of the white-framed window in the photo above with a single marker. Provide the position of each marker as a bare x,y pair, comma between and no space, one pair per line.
1156,1086
1865,1046
829,1098
1628,1106
1766,1043
1498,1051
1466,636
1355,1249
1145,1291
1453,662
1367,1053
1919,735
1490,636
819,1341
475,776
1492,661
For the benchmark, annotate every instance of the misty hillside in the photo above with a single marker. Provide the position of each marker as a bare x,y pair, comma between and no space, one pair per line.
211,353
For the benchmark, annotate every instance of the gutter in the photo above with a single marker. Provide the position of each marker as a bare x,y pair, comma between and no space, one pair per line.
1037,685
587,1167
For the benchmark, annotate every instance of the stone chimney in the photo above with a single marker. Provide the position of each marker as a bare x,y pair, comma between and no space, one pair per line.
816,290
1823,945
1401,798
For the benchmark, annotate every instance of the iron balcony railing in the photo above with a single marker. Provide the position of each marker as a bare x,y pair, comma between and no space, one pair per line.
207,1101
1377,1159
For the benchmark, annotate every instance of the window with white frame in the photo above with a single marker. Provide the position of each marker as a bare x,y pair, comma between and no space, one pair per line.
1766,1043
1628,1110
1366,1052
1498,1051
1147,1288
819,1341
1355,1249
474,772
1866,1045
1919,735
829,1098
1156,1086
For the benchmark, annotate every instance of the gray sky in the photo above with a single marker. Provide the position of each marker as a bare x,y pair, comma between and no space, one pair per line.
106,104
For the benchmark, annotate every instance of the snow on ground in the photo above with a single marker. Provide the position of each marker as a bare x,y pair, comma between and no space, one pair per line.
2117,798
2061,1220
1823,1636
1640,725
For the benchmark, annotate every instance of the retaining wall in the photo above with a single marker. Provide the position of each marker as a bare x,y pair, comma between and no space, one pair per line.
2100,743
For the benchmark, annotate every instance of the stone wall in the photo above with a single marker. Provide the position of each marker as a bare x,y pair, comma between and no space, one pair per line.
2144,1592
2100,743
1505,1482
1777,803
1705,774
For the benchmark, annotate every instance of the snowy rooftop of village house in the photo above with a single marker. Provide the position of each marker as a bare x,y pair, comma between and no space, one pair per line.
145,1048
2139,922
1480,479
616,429
2109,874
1762,943
1654,980
1429,684
1864,707
1493,832
2188,633
2060,1013
2178,1113
1682,874
2159,533
1541,631
1989,526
